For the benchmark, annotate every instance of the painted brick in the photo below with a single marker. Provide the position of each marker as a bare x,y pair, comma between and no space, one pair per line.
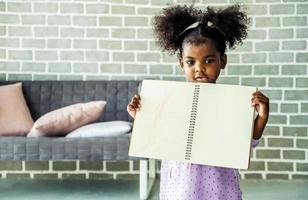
294,21
253,176
59,43
256,82
257,166
46,31
302,167
148,11
45,7
71,77
295,131
273,107
19,77
84,20
136,21
267,22
125,10
117,166
281,9
301,82
280,142
17,176
33,19
135,69
59,67
173,78
71,55
254,58
299,119
145,34
267,46
71,8
299,177
33,67
49,176
266,154
37,165
256,34
20,54
91,165
97,8
281,57
293,69
84,44
85,67
18,7
294,45
294,155
239,69
9,19
301,32
277,176
45,55
58,20
302,57
256,9
148,57
72,32
273,94
9,42
110,44
271,130
281,33
302,8
44,77
280,166
161,69
289,108
123,56
10,165
123,33
277,119
266,69
135,45
302,143
63,165
97,32
110,68
304,107
110,21
19,31
9,66
280,82
69,176
296,95
33,43
100,176
127,176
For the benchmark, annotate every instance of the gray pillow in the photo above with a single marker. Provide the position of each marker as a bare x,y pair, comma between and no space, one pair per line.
102,129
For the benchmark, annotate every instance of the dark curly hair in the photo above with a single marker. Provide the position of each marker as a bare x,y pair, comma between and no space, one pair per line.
228,27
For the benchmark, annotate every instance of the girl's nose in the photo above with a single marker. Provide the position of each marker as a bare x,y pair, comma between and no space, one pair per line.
200,68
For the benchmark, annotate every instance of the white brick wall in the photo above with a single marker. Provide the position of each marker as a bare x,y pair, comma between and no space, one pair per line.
113,39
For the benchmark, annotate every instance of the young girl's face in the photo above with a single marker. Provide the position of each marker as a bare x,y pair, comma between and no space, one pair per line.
202,62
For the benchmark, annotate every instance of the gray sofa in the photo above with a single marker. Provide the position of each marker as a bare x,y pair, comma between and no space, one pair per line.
45,96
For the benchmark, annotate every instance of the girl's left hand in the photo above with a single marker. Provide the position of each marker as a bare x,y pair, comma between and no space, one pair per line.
261,104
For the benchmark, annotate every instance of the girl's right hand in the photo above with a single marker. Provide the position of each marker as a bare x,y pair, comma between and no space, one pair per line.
134,105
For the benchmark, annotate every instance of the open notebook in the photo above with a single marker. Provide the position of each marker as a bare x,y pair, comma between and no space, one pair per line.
200,123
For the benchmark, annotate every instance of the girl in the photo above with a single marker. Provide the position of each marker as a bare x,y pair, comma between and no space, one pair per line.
200,38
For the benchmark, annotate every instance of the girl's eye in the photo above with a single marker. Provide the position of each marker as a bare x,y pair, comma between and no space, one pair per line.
209,60
190,62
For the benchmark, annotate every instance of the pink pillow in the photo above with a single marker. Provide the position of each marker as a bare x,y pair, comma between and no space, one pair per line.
15,117
61,121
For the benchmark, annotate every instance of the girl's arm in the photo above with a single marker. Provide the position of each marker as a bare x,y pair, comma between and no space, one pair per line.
261,104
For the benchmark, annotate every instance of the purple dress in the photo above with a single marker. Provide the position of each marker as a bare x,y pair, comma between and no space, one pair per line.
185,181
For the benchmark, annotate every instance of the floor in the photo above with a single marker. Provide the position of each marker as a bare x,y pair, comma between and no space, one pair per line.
128,190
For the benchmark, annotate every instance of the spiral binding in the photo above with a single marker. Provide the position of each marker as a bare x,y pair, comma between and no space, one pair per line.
192,122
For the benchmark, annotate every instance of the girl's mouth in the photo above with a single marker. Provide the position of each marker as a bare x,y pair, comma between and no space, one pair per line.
202,79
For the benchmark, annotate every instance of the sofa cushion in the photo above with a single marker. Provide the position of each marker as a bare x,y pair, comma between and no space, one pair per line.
15,117
102,129
61,121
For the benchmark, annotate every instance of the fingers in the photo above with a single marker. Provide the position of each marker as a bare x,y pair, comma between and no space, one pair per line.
135,103
258,97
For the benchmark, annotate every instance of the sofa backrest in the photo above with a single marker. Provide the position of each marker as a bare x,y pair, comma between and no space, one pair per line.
45,96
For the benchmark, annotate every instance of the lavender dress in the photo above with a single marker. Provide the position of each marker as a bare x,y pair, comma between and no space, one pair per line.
185,181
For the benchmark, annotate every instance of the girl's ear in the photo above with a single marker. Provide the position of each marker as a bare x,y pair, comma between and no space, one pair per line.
181,63
223,59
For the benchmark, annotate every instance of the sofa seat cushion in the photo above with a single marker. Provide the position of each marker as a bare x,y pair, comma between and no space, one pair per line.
102,129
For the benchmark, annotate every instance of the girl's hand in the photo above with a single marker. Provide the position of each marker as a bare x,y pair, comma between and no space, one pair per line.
261,104
134,105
